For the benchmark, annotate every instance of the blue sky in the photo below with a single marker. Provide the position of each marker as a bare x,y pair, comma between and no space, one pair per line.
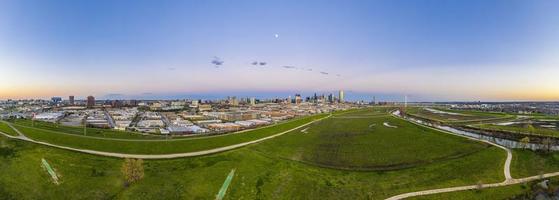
430,50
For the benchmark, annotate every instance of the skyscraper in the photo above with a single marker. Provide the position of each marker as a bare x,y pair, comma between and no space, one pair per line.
298,99
90,101
71,100
253,101
233,101
341,96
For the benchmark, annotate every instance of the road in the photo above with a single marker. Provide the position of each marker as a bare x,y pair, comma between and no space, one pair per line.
156,156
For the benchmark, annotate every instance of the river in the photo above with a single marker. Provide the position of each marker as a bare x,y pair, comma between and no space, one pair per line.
500,141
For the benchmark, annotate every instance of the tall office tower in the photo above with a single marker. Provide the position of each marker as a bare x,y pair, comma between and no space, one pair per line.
90,101
341,96
315,98
234,101
253,101
71,99
298,99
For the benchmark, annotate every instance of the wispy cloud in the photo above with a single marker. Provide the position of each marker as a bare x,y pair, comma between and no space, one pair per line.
217,61
289,67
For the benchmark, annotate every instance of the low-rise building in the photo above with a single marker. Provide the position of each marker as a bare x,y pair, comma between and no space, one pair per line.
49,116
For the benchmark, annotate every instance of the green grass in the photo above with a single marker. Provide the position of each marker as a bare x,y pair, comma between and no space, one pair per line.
257,176
530,163
520,130
4,128
525,163
467,117
366,144
263,170
93,132
505,192
517,191
373,111
158,147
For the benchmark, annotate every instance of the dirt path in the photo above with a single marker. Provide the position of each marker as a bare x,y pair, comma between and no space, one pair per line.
388,125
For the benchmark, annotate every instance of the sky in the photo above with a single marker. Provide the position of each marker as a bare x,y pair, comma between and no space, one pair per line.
475,50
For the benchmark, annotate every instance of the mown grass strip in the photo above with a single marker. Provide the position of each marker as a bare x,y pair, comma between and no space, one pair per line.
225,185
4,128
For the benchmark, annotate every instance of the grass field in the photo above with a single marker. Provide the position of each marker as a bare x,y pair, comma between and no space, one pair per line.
7,129
444,115
365,112
257,176
157,147
518,129
530,163
518,191
266,170
93,132
506,192
525,163
367,144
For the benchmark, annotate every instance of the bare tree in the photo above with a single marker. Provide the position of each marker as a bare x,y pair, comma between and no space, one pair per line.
132,170
547,142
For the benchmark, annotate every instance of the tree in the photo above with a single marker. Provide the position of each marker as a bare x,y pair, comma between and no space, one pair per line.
547,142
524,142
132,170
531,129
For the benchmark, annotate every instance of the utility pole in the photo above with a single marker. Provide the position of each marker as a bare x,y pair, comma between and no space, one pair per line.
84,126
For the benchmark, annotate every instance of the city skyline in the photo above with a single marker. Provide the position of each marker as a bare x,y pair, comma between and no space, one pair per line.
428,50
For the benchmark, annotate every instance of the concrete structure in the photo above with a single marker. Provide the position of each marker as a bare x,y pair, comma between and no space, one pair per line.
341,96
298,99
71,100
150,123
90,101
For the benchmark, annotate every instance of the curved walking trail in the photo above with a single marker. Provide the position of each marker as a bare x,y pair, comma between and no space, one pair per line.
506,170
156,156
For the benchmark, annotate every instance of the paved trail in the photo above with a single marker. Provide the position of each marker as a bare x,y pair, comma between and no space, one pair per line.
506,170
157,156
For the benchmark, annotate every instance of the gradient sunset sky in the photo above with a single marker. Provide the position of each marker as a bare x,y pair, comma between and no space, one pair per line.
470,50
